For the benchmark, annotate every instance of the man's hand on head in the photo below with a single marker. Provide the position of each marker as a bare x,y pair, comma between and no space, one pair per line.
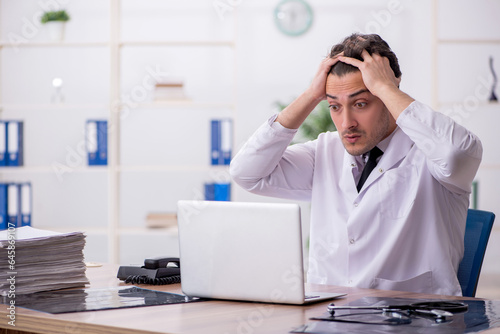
317,88
376,71
380,80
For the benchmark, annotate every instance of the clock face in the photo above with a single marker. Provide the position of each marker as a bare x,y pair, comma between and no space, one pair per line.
293,17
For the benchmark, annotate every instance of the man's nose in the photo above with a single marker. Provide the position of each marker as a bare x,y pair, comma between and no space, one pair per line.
348,121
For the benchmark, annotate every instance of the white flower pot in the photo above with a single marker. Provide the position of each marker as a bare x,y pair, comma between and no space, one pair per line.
55,30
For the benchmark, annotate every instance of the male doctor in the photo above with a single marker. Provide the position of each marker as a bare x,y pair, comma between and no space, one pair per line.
400,226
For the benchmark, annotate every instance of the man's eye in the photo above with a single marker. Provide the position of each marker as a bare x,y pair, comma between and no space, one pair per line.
333,107
360,104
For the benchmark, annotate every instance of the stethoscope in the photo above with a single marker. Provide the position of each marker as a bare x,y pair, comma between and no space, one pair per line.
440,311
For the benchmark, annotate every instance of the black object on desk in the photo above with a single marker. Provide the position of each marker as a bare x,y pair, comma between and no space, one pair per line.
480,315
157,271
81,300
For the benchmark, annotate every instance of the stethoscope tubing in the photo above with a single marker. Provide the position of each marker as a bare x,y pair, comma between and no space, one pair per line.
424,307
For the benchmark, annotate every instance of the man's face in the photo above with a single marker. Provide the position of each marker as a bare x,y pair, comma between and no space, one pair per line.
361,118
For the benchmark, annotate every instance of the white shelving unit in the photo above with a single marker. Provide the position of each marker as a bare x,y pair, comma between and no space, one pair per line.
470,108
115,232
463,94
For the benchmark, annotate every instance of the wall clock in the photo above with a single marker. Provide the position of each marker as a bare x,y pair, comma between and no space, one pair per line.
293,17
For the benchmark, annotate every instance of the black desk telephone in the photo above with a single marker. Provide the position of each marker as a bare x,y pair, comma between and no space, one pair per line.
157,271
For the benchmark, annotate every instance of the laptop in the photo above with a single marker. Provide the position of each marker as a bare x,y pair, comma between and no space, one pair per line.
243,251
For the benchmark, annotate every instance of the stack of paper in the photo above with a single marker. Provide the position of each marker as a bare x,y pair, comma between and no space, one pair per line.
36,260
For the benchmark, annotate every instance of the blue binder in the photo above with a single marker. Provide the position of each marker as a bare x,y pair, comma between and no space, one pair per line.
14,143
209,192
3,143
217,191
97,142
226,142
25,203
215,142
3,206
222,191
13,205
221,141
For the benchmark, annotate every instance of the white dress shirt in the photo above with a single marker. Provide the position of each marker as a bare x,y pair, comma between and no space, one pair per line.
404,230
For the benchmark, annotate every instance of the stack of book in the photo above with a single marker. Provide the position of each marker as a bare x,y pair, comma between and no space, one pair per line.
161,220
39,260
171,89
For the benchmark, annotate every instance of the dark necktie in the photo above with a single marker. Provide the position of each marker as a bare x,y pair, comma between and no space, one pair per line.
370,164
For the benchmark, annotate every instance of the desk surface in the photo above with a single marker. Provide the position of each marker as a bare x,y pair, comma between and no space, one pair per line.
207,317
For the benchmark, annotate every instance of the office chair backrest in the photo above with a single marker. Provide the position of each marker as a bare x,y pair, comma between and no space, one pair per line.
477,233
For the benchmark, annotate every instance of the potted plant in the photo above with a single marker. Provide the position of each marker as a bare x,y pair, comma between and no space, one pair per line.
55,22
317,122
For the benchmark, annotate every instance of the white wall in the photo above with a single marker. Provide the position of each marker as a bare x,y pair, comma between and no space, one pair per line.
464,87
270,67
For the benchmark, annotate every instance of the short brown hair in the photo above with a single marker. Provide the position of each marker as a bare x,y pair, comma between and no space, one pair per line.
353,46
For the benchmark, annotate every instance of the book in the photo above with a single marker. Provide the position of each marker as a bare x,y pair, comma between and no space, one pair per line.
97,142
25,205
221,141
3,143
159,220
15,143
3,206
217,191
170,91
13,205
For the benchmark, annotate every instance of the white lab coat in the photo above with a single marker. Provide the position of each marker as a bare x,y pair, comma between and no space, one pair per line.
404,230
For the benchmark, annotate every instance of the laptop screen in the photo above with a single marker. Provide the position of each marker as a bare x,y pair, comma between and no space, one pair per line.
241,251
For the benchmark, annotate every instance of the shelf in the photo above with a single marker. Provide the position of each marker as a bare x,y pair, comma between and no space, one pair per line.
50,169
168,231
182,104
468,41
178,43
159,168
101,169
146,105
53,44
489,166
113,106
87,230
53,106
442,104
121,44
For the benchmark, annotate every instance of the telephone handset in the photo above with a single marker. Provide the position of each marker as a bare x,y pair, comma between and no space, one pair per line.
156,271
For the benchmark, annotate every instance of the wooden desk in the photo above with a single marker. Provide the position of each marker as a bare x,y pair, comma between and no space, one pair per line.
208,317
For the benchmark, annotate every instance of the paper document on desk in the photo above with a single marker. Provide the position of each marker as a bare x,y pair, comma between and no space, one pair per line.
40,260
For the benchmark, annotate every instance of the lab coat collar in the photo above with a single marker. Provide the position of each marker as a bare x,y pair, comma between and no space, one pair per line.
347,183
397,149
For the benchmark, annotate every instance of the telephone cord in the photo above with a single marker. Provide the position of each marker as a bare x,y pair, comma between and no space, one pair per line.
142,279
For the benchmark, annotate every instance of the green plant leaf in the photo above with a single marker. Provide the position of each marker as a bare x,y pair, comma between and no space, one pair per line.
60,15
317,122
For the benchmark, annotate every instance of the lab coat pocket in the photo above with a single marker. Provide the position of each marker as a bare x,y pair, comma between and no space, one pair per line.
398,188
421,284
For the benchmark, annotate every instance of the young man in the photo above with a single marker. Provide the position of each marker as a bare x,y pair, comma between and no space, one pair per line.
402,227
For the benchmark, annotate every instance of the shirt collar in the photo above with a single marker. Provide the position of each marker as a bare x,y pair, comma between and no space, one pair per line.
385,142
359,160
382,145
